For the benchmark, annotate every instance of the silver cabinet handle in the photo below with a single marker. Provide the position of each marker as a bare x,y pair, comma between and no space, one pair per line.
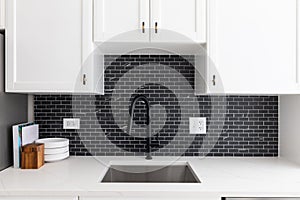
156,27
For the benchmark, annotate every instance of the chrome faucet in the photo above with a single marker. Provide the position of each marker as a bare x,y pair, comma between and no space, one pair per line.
148,122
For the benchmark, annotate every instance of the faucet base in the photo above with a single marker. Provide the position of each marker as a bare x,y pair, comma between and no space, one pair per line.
148,157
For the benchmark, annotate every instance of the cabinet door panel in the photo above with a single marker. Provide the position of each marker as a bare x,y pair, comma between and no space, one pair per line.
2,14
43,45
121,20
151,197
252,46
178,21
36,198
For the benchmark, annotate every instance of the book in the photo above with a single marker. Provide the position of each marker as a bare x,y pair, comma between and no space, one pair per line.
29,134
23,134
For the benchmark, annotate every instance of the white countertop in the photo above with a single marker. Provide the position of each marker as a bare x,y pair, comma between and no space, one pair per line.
227,177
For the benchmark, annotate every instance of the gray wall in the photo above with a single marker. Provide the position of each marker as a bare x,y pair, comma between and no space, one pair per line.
13,110
289,127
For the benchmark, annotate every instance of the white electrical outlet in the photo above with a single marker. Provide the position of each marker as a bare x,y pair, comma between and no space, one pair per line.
71,123
197,125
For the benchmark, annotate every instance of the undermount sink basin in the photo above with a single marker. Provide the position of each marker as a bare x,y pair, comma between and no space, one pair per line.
179,173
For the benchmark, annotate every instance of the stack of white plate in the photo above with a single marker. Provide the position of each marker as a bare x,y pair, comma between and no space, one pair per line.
56,149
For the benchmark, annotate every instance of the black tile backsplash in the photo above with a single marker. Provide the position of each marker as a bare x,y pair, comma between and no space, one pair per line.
236,125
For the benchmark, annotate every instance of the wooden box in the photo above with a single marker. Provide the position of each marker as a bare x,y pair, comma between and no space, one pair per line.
32,156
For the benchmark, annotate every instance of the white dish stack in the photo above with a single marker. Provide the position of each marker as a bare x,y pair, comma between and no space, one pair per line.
56,149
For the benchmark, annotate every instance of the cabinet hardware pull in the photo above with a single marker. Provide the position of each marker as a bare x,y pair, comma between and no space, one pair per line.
143,27
214,80
84,79
156,28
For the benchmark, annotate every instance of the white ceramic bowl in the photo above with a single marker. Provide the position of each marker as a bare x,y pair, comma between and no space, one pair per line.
56,150
51,143
56,157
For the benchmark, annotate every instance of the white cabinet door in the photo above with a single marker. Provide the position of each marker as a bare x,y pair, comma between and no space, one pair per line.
92,63
252,46
2,14
170,196
178,21
298,48
36,198
43,40
121,20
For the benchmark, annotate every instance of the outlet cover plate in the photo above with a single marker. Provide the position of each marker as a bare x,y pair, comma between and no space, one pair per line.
197,125
71,123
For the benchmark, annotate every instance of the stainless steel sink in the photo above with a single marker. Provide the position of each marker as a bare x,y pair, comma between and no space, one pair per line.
150,174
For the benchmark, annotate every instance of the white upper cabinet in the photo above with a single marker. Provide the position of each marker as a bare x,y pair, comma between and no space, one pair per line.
178,21
121,20
2,14
150,20
252,46
44,46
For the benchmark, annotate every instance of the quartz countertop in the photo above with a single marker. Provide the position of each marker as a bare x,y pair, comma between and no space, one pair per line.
220,177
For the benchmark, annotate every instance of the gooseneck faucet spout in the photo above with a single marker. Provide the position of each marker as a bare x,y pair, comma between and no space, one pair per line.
148,121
